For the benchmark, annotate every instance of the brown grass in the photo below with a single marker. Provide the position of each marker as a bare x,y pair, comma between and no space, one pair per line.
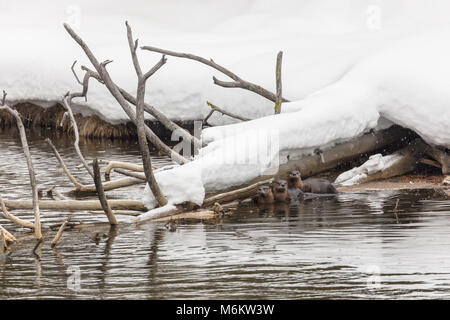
91,126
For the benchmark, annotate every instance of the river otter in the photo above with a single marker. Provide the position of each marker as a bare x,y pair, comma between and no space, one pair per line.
313,185
295,193
280,191
264,196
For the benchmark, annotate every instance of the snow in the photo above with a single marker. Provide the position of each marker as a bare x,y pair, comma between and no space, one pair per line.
348,67
376,163
321,40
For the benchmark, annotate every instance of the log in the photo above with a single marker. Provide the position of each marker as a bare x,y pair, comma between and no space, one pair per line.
339,154
235,194
440,156
76,205
402,161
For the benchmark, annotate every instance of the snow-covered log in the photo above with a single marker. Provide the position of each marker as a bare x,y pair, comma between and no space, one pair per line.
382,167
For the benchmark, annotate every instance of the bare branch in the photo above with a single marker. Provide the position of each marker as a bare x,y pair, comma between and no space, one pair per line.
67,106
26,150
101,194
279,99
60,232
216,108
13,218
114,90
238,82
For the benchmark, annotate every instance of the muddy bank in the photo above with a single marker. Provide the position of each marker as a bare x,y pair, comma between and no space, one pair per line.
91,126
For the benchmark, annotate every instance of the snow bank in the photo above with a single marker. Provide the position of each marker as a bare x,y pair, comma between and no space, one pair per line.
406,83
321,40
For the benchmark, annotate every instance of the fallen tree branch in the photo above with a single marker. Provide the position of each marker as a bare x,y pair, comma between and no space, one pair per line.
60,232
237,83
80,188
132,174
76,205
101,194
13,218
341,153
235,194
7,235
26,150
55,193
123,165
114,90
215,108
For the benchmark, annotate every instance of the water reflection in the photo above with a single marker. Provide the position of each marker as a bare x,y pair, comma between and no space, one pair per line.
325,247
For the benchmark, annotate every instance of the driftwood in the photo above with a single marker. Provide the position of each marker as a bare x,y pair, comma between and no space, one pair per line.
279,99
56,194
26,150
13,218
119,212
140,124
237,83
215,108
235,194
80,188
101,194
116,164
6,235
114,90
132,174
76,205
402,161
59,233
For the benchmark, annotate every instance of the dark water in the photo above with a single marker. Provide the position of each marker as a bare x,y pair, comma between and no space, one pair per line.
348,246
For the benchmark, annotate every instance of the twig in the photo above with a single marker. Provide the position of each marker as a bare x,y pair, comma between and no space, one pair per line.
55,193
237,83
145,151
7,235
396,210
101,194
60,232
216,108
26,150
279,99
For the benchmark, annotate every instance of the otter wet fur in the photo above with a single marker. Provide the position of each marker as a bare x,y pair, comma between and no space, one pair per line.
312,185
280,191
294,192
264,196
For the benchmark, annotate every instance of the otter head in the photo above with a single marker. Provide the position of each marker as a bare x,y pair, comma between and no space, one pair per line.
264,195
264,192
279,189
294,178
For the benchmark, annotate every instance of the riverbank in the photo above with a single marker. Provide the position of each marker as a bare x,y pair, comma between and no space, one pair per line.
89,126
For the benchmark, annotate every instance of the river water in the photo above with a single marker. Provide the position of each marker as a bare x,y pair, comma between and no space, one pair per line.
347,246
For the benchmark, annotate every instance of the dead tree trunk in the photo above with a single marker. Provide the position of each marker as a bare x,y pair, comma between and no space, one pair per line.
145,151
279,99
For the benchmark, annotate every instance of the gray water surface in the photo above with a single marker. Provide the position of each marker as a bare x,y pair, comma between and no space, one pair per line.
344,246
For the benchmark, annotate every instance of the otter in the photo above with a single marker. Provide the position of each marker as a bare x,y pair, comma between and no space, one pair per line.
295,193
313,185
280,191
264,196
